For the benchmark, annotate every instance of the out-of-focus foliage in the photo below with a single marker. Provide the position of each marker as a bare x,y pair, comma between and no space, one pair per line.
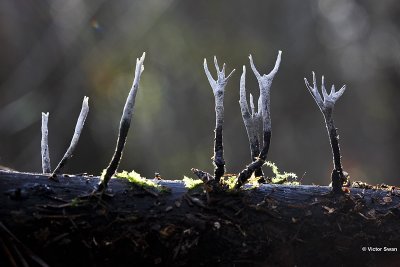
53,53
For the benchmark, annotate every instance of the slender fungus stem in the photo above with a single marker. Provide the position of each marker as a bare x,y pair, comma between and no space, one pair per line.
326,104
123,126
46,168
75,138
264,82
252,121
218,87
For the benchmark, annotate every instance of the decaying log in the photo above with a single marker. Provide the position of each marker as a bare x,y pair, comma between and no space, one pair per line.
65,224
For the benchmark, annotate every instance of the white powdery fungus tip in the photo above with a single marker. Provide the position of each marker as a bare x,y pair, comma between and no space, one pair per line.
243,78
139,68
46,168
339,93
251,121
216,63
124,126
242,95
277,64
265,82
218,85
79,126
253,67
208,74
75,138
218,88
325,101
86,101
141,59
230,74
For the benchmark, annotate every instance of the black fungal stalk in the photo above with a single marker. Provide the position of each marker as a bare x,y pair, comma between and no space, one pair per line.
123,127
264,82
218,87
326,104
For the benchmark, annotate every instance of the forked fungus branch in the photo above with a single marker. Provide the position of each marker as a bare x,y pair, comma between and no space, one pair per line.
326,104
218,87
264,82
252,121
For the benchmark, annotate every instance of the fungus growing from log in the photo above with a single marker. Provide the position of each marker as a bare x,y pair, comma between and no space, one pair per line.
326,104
123,127
264,82
218,87
46,167
75,138
252,121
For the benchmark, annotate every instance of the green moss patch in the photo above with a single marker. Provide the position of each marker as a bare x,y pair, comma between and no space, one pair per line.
191,183
288,178
139,181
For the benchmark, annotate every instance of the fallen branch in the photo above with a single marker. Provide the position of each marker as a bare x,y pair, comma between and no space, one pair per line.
264,226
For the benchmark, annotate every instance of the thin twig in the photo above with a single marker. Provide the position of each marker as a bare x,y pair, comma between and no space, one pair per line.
123,127
46,167
75,138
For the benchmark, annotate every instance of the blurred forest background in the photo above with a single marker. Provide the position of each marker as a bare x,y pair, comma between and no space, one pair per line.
53,53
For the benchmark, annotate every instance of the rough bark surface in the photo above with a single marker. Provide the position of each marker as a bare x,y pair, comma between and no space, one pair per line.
62,224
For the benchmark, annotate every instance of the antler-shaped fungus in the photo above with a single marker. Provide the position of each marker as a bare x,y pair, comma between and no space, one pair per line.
218,87
252,121
264,82
326,104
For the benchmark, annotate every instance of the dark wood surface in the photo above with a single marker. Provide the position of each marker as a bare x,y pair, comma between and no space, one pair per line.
64,224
